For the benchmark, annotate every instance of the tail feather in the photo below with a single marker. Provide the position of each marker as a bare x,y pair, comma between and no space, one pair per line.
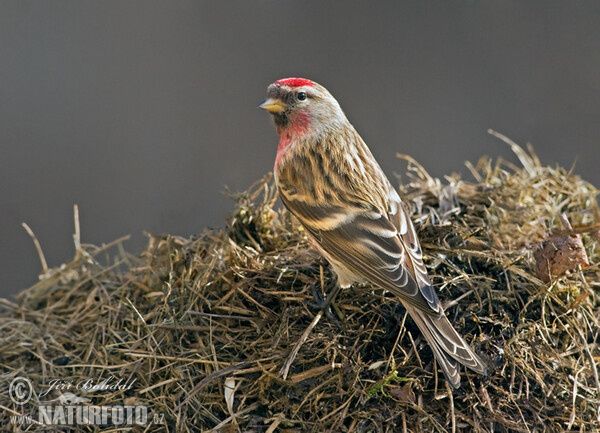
447,345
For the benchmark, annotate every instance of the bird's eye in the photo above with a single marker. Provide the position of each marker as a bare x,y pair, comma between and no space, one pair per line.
301,96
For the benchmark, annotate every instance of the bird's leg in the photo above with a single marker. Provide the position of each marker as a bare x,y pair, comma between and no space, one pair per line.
324,301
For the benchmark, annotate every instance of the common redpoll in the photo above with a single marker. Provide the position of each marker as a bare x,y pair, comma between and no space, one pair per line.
328,178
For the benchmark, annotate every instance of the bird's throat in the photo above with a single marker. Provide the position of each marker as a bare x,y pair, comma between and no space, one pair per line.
294,130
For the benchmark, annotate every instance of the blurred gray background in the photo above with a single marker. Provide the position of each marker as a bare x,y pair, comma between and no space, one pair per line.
141,112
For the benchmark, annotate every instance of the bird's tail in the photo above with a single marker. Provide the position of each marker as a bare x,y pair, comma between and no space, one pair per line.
448,347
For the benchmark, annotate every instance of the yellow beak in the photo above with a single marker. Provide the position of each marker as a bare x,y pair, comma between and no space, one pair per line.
273,105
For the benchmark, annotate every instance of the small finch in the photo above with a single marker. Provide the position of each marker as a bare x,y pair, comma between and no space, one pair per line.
328,178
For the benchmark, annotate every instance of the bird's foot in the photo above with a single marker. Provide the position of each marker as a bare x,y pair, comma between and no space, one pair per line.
324,303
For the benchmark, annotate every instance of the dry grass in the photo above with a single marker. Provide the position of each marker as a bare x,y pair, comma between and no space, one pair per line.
192,318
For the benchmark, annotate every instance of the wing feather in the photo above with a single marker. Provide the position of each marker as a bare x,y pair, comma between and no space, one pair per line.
367,241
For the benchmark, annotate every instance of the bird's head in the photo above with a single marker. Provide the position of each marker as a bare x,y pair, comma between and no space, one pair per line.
301,106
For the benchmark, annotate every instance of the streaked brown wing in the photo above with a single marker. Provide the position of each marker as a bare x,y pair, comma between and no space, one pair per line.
366,241
408,236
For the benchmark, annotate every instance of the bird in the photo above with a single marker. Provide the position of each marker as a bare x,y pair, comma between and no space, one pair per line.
327,177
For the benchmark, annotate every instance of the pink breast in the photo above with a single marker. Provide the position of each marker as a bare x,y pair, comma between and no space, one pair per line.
300,126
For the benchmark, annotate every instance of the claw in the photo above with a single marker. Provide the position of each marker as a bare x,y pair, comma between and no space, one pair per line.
324,303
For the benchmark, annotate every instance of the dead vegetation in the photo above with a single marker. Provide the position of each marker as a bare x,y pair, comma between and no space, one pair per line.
204,325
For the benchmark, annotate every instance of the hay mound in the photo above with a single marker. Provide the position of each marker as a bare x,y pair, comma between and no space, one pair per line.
204,325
